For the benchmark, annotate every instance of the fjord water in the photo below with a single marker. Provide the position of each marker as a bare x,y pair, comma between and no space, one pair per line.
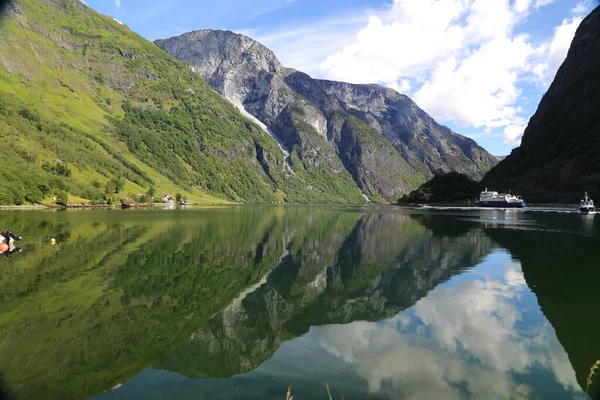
242,302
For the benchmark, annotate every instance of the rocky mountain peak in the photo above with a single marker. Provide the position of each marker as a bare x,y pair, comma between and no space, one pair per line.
225,59
379,136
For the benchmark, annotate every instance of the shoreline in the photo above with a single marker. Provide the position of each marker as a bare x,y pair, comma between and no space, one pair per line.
89,206
25,207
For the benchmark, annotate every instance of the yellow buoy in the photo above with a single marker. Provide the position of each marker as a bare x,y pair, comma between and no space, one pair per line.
52,241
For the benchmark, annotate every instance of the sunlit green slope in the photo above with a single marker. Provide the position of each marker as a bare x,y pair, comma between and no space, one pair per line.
89,107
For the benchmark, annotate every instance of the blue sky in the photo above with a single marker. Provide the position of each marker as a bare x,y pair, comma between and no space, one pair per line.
478,66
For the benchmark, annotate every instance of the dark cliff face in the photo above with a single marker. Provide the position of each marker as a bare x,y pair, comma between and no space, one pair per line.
382,138
559,153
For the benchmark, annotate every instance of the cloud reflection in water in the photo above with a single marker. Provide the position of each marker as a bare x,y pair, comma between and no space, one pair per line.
478,336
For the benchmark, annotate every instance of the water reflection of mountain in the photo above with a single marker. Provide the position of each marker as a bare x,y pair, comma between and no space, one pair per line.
563,273
207,294
120,291
385,264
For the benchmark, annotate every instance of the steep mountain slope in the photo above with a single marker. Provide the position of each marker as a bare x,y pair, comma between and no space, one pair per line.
89,107
559,153
383,138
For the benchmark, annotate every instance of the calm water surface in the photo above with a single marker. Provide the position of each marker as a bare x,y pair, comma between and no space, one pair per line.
242,302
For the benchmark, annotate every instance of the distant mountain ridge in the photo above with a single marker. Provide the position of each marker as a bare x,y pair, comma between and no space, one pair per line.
91,110
382,138
559,155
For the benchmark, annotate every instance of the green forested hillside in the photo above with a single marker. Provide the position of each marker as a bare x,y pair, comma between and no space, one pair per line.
444,187
93,109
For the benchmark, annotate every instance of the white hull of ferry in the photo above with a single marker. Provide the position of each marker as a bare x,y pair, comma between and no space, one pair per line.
499,200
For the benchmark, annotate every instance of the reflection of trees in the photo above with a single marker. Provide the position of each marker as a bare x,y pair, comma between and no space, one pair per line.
563,273
382,265
114,298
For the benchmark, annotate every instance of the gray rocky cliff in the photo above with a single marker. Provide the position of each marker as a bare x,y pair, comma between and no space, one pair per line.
380,137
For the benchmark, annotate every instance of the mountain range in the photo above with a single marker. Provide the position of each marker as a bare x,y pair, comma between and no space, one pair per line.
381,137
90,108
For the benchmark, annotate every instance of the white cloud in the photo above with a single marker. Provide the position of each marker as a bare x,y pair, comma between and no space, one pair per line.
411,37
542,3
522,5
549,56
464,61
118,3
464,55
306,45
583,7
480,90
563,36
580,8
513,134
404,86
525,5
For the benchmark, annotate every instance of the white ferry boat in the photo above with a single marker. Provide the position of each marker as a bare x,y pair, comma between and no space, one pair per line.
499,200
587,205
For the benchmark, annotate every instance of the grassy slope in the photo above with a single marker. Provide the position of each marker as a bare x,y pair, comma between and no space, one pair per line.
81,90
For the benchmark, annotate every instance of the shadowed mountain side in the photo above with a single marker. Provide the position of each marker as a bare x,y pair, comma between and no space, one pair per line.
566,285
4,4
384,266
559,153
444,187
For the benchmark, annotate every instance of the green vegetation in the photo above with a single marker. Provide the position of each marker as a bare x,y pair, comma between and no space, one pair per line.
359,142
188,146
444,187
313,173
119,292
90,108
62,198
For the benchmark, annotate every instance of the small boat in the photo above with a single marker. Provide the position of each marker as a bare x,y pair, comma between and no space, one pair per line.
587,205
499,200
7,243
